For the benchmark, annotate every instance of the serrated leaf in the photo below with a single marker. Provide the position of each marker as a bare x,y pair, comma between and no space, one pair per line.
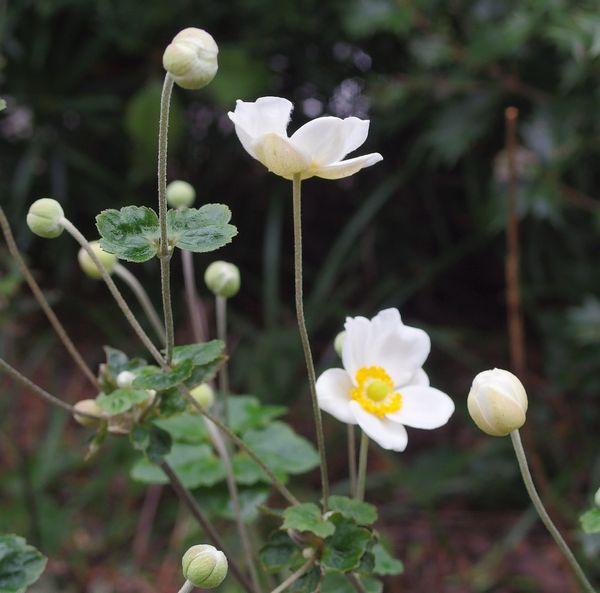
307,517
360,512
345,548
154,442
21,565
199,354
131,233
200,229
385,563
246,412
161,380
185,428
121,400
278,552
590,521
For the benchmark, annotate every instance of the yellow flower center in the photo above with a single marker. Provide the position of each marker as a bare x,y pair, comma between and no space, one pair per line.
375,391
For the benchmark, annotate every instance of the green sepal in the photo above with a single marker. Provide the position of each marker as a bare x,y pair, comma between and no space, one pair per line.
21,564
307,517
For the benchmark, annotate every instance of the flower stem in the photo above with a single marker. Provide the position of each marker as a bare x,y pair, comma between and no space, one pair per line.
41,299
221,308
187,587
362,466
539,507
164,253
294,576
297,201
194,304
352,458
142,297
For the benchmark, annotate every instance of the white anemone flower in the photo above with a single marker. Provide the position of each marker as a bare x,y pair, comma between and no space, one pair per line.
382,386
315,150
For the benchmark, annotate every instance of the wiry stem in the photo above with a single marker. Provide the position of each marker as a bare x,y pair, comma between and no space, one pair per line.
362,466
41,299
310,367
294,576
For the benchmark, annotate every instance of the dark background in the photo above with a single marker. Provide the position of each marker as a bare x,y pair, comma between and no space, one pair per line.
423,231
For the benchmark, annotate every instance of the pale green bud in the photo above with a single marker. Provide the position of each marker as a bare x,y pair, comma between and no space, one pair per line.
180,194
88,406
338,343
597,498
108,260
497,402
222,279
191,58
204,566
125,379
204,395
44,218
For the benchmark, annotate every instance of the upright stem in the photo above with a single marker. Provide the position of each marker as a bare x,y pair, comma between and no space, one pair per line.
143,298
41,299
362,466
221,307
294,576
164,254
539,507
193,301
352,458
297,201
187,587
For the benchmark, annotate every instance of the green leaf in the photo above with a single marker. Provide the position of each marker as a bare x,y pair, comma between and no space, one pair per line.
360,512
282,449
590,521
307,517
162,380
278,552
345,548
151,440
185,428
216,501
199,354
21,565
308,582
385,563
246,412
116,360
200,229
131,233
247,471
2,104
335,582
121,400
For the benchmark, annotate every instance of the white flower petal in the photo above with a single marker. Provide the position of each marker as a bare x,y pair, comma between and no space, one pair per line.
278,155
385,432
358,330
348,167
333,394
323,138
423,407
420,378
355,131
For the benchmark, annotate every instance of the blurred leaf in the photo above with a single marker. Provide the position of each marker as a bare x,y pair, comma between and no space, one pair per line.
246,412
385,563
152,441
121,400
338,583
185,428
345,548
307,517
216,501
308,582
160,380
278,552
21,565
362,513
2,104
590,521
199,354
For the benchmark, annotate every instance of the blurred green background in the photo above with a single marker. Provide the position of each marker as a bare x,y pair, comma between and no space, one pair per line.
423,231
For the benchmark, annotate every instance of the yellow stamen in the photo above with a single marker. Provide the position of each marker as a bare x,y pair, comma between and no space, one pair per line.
375,391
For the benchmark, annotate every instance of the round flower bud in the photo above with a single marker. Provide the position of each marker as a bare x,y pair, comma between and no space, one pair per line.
108,260
203,394
338,343
191,58
497,402
180,194
125,379
44,217
597,498
222,279
204,566
88,406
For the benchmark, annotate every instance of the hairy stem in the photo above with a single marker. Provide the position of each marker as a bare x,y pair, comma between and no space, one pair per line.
310,367
221,309
41,299
194,304
294,576
143,298
362,466
352,458
539,507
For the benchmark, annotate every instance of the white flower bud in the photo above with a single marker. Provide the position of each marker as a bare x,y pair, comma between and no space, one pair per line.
191,58
497,402
597,498
125,379
222,279
180,194
44,217
338,343
108,260
88,406
204,566
203,394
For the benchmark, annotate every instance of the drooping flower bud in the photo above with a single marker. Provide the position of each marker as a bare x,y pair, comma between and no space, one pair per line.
497,402
108,260
204,566
180,194
191,58
44,217
88,406
125,379
222,279
204,395
338,343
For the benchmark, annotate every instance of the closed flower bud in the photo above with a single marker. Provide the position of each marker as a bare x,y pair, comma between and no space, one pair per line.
108,260
222,279
180,194
88,406
191,58
204,395
497,402
44,218
338,343
125,379
204,566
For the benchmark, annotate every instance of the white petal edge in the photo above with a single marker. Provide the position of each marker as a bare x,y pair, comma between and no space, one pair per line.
386,433
323,139
333,394
348,167
358,330
423,407
355,133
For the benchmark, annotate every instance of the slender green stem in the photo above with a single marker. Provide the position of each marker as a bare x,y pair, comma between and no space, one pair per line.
187,587
294,576
310,367
539,507
352,458
41,299
143,298
164,254
17,376
221,309
355,582
362,466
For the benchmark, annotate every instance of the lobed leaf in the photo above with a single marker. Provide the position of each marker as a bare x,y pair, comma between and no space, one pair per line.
344,549
162,380
21,565
385,563
121,400
360,512
307,517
